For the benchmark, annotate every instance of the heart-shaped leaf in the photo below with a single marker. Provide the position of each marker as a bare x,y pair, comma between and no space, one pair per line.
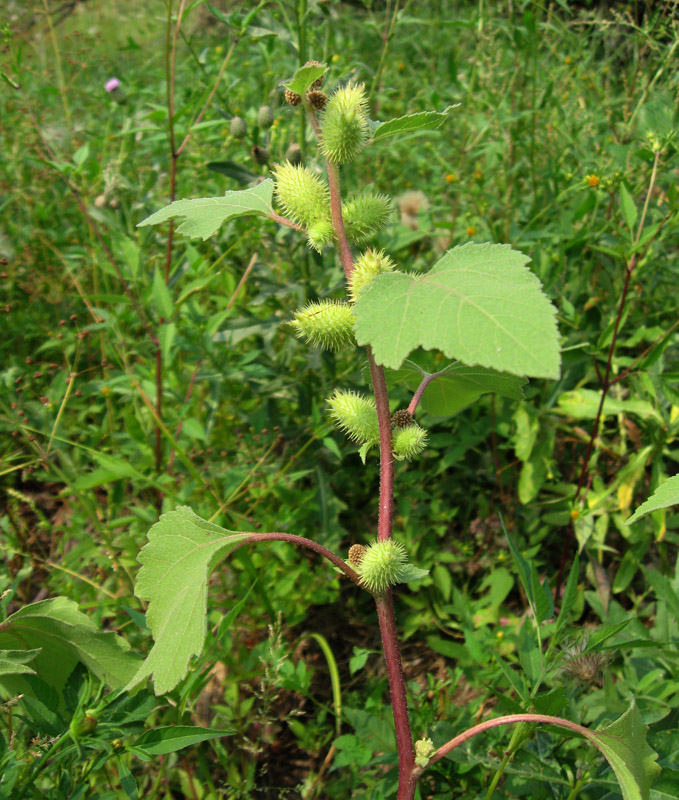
479,304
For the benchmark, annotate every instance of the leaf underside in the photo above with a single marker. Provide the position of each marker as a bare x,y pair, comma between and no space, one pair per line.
203,216
177,561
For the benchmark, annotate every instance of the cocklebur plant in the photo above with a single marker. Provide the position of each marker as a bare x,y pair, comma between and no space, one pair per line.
479,305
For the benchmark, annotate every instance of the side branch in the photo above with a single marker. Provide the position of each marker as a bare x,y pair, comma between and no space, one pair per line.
301,540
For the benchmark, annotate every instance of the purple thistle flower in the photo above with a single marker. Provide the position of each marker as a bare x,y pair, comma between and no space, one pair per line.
112,85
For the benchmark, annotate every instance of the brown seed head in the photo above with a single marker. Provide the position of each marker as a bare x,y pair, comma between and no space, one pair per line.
316,99
356,553
402,419
292,98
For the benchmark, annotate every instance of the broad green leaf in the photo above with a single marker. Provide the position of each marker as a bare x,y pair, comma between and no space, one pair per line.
410,572
584,403
13,662
479,304
457,386
66,636
627,207
624,745
421,121
666,495
204,215
667,785
304,77
177,561
127,780
663,590
161,741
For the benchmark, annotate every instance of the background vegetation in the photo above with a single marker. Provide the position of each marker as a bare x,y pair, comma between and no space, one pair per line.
140,371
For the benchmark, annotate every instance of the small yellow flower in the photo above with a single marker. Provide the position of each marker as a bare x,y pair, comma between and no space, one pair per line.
584,76
569,60
451,177
335,58
471,230
606,68
218,49
478,175
593,181
575,514
401,66
105,390
591,85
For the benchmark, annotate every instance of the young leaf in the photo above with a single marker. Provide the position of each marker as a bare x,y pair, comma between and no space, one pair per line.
161,741
162,299
65,636
177,561
304,77
479,304
569,595
422,121
204,215
667,494
627,207
624,745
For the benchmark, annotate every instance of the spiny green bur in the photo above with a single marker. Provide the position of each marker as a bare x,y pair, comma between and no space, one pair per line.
409,442
364,215
345,124
366,267
383,564
328,324
355,415
301,195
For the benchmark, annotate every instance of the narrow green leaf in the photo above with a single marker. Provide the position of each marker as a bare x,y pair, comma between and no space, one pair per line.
162,299
604,633
421,121
127,781
627,208
663,590
515,679
304,77
65,636
166,336
666,495
204,215
479,304
544,605
13,662
522,567
177,561
624,745
161,741
569,595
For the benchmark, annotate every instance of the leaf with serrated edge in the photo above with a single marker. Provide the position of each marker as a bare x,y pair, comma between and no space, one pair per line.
65,636
421,121
161,741
304,77
666,495
177,561
457,386
624,745
13,662
204,215
479,304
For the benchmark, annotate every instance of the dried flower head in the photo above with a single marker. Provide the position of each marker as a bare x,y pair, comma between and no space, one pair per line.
402,418
585,668
292,98
356,553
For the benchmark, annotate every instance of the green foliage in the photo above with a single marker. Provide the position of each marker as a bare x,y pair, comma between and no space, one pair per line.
204,216
176,563
63,636
664,496
500,318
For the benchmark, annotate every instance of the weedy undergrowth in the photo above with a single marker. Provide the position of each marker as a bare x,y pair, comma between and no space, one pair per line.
479,305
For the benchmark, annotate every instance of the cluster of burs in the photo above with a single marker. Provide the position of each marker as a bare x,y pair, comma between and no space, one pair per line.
303,196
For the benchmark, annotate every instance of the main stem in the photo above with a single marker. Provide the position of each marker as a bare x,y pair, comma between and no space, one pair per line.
407,780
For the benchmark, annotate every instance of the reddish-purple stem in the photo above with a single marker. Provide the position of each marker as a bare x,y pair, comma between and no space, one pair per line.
494,723
304,542
420,391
